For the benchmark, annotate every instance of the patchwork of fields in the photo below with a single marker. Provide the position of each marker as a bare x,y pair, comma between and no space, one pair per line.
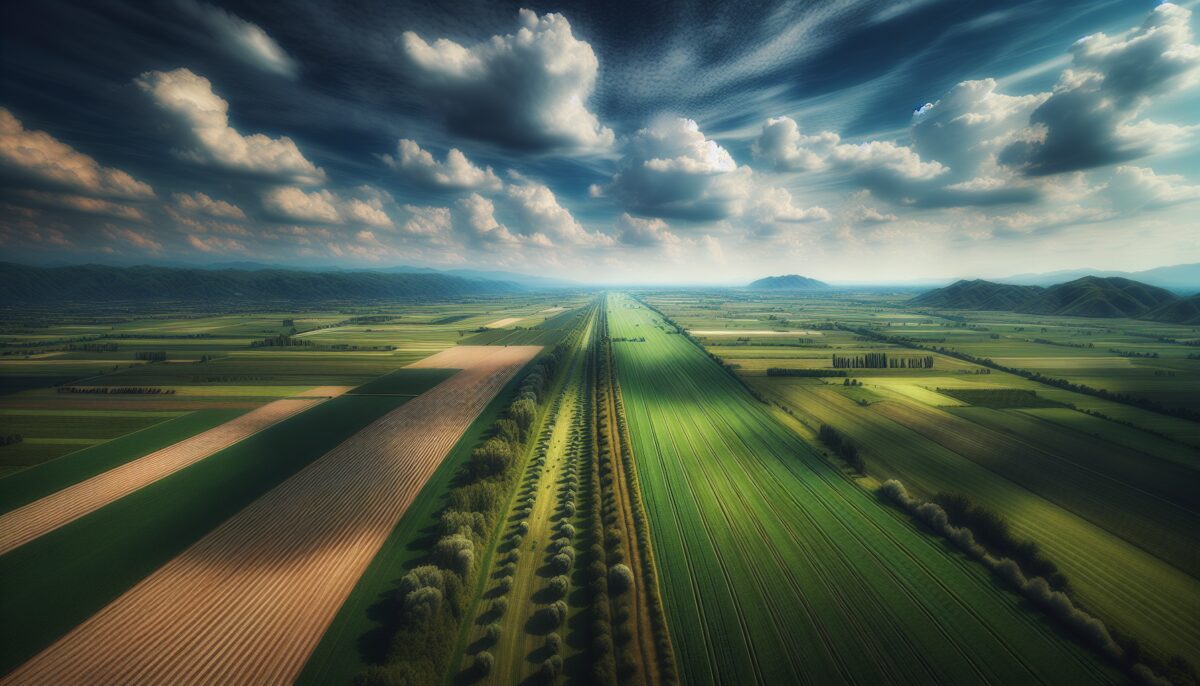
265,490
784,570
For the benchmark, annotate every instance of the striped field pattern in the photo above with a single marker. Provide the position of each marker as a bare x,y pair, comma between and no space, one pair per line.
248,603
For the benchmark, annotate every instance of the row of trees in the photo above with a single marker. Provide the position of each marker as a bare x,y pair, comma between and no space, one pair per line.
808,373
622,579
117,390
881,361
10,439
993,532
1058,604
431,600
94,347
151,355
843,447
281,341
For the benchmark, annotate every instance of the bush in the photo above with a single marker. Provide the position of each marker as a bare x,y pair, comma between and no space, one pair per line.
551,668
483,663
620,579
492,633
561,563
558,585
421,605
456,553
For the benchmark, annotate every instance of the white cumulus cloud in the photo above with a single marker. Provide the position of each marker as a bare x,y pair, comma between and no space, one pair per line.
525,90
38,157
671,170
456,173
205,115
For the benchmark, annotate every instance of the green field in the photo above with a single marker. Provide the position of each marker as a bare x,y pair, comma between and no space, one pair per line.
794,573
1109,497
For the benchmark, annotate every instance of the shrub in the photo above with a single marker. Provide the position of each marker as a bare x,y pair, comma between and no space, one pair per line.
483,663
553,643
492,633
551,668
421,605
455,552
558,586
620,579
561,563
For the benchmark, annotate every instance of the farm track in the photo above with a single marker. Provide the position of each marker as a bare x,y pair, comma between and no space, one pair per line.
249,602
42,516
646,607
810,580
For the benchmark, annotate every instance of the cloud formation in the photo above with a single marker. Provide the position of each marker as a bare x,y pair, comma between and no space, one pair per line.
526,90
670,170
243,40
538,209
1091,120
199,203
455,174
36,156
205,116
643,233
323,206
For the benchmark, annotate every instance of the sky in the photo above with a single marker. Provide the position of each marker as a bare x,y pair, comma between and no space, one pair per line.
647,142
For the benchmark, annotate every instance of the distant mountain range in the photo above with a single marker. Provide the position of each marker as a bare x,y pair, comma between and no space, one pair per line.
251,266
788,282
94,283
1090,296
1181,278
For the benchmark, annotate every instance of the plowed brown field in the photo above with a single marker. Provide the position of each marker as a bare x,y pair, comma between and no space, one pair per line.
248,603
40,517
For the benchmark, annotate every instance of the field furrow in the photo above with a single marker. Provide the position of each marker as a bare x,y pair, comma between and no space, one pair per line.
35,519
249,601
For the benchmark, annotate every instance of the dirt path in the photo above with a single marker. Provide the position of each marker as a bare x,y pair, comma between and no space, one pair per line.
40,517
248,603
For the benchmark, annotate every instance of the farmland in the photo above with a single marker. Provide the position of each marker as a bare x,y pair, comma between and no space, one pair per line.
1052,462
667,516
793,571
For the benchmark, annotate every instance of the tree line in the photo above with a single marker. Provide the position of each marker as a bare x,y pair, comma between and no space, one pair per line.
807,373
843,447
117,390
430,602
281,341
881,361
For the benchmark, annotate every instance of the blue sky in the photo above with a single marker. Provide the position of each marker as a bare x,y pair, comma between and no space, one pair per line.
850,141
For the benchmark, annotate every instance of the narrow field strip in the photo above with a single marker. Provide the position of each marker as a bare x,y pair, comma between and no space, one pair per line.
501,323
35,519
250,601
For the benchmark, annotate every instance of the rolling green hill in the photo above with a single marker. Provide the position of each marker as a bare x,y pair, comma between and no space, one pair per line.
1090,296
789,282
978,295
1182,311
87,283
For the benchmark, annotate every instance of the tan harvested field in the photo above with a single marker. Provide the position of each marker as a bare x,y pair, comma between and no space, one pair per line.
249,602
501,323
40,517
